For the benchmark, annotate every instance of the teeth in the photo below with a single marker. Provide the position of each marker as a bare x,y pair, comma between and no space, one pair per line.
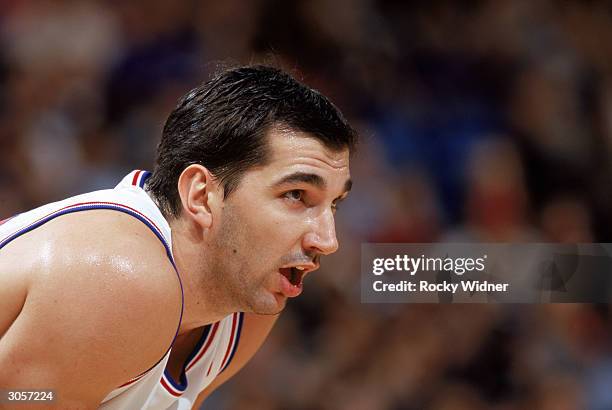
299,267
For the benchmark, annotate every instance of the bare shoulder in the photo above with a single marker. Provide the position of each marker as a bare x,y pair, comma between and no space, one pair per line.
114,242
102,298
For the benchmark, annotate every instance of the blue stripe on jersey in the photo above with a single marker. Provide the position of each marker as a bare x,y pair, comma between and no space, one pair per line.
182,384
143,178
239,326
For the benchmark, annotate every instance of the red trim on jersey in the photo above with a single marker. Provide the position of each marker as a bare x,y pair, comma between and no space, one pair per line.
135,179
135,379
209,369
231,342
169,388
211,336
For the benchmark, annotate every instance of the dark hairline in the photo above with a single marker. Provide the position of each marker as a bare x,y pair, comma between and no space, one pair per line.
268,130
235,112
267,149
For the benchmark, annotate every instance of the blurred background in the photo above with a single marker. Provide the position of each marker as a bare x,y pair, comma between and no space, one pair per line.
480,121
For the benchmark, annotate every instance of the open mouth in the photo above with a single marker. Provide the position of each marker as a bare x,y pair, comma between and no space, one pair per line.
293,274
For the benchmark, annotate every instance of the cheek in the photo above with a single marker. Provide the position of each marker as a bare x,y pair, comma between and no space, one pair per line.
269,226
280,232
267,229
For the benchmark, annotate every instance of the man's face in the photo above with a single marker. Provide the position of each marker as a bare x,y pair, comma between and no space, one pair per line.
272,229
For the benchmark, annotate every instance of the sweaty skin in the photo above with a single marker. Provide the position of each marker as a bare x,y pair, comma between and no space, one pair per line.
93,286
239,244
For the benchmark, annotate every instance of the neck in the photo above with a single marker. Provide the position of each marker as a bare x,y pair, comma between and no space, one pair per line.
204,299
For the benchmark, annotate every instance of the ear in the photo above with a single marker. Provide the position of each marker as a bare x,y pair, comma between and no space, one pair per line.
198,191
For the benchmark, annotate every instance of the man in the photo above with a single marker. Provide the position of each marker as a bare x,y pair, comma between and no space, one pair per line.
133,297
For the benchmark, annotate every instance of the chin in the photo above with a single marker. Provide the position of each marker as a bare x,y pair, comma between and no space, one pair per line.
272,304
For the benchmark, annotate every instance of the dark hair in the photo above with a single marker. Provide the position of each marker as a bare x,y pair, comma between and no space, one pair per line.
223,124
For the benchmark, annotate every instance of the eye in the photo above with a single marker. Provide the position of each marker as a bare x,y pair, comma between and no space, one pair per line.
295,195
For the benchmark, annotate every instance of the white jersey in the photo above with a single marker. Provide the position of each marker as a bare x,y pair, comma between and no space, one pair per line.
155,388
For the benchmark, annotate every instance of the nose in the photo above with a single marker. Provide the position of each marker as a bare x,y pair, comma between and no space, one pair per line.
321,237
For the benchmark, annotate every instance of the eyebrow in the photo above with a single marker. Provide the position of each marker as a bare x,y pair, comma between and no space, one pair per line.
304,177
309,178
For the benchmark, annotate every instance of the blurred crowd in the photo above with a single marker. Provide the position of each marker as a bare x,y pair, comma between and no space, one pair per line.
481,121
